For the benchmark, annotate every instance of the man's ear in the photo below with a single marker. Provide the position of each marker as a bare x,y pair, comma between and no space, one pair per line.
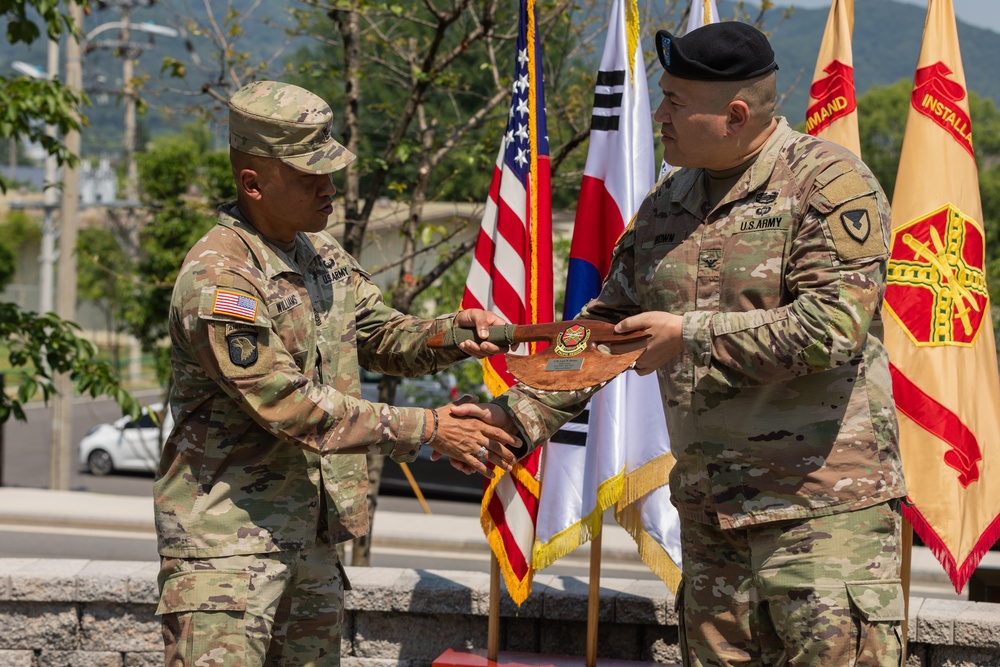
738,117
248,181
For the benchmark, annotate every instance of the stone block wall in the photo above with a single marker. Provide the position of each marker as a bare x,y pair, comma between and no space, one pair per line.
78,613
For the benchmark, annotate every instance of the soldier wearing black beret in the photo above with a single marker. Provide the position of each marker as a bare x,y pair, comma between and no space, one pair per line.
757,266
729,51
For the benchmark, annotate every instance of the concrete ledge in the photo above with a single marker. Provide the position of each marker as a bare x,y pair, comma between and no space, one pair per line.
76,612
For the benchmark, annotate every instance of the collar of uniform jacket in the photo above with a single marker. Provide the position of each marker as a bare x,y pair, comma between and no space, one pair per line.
686,189
273,263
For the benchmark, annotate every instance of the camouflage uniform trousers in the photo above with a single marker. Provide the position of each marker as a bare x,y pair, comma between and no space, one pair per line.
820,591
284,608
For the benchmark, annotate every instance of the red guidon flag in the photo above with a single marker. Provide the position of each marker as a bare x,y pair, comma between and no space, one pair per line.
939,330
833,109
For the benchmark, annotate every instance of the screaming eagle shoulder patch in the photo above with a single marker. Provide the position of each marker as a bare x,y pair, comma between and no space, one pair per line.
243,348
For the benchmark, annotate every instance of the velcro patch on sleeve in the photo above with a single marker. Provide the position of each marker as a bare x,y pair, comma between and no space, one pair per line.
857,229
234,304
852,215
242,350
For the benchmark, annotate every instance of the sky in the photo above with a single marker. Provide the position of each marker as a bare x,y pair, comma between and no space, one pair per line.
980,13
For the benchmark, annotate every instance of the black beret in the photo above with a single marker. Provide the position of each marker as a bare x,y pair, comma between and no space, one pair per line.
727,51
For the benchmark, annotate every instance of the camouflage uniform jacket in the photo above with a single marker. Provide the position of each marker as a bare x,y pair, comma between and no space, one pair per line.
780,405
265,361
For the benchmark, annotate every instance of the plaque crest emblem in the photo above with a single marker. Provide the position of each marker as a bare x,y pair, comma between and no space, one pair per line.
572,341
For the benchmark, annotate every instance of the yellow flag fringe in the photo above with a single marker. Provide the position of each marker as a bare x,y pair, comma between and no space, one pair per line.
650,475
650,551
518,589
567,540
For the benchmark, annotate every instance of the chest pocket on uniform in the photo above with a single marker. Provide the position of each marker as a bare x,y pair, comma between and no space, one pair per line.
753,262
292,317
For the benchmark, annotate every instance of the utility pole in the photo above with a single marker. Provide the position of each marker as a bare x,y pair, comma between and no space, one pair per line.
62,420
128,92
47,256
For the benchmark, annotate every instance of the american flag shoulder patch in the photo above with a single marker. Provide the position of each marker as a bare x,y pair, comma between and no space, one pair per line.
235,304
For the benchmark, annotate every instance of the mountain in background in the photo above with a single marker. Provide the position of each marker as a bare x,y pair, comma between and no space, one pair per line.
886,42
887,38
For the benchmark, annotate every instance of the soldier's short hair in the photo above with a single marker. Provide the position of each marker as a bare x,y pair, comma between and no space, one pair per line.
284,121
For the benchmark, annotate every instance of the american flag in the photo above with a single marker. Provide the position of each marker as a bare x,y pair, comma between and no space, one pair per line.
235,304
511,275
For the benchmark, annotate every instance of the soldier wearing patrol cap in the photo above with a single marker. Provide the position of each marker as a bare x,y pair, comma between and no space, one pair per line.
264,471
758,268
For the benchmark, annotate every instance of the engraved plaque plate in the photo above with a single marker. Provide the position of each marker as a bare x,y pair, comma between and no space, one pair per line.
563,365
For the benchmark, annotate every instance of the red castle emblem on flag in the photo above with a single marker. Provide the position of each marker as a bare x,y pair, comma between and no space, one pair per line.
834,95
936,284
937,97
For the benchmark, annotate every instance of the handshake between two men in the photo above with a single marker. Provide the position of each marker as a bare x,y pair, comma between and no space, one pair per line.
581,354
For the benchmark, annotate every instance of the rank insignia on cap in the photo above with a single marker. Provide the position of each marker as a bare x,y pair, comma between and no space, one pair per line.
235,305
857,223
665,45
243,348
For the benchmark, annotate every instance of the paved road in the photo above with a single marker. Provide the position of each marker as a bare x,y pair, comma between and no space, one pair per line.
27,445
26,464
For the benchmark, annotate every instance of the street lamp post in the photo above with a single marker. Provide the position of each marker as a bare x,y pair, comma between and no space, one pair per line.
47,255
127,53
61,451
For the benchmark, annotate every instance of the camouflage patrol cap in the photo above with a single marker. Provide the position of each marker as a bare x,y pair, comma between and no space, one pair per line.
726,51
275,119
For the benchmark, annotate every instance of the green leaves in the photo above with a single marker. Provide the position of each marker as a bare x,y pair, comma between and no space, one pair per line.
43,346
27,104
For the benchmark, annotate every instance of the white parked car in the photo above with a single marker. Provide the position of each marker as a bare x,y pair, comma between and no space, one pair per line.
126,444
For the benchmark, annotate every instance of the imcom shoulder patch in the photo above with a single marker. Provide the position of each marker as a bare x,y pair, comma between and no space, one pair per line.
851,210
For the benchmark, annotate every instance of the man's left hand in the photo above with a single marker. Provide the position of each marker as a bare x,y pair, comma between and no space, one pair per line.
664,343
480,321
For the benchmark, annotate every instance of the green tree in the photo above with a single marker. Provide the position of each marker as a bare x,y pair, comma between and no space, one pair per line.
41,346
102,277
182,182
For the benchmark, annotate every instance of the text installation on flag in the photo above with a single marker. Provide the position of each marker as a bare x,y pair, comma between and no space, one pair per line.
939,332
511,275
585,462
832,112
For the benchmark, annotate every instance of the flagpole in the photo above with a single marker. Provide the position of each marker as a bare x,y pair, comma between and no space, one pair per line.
593,598
906,547
493,628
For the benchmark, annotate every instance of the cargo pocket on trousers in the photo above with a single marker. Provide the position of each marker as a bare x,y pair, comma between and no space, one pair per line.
206,613
877,613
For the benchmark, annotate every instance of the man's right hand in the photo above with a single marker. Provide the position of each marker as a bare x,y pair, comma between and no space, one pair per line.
466,429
